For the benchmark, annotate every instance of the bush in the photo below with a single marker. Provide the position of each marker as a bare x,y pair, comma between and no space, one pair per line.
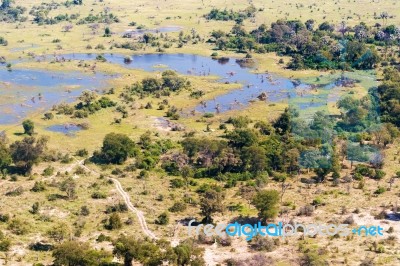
15,192
35,208
48,171
143,174
38,246
3,41
312,257
85,211
239,122
262,244
224,241
349,220
162,219
5,244
101,58
29,127
59,232
307,210
178,207
102,237
380,249
48,116
18,227
100,47
380,190
114,222
80,114
317,201
4,218
79,170
177,183
99,195
82,153
363,170
80,253
379,174
120,207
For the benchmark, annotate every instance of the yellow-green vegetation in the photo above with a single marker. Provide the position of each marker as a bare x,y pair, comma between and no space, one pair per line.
144,161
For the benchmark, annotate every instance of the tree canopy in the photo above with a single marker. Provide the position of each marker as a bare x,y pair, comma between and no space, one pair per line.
116,149
266,202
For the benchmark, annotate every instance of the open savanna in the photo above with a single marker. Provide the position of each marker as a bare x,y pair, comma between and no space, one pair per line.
337,202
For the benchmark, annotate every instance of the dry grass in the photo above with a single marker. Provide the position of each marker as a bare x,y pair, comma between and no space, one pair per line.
187,14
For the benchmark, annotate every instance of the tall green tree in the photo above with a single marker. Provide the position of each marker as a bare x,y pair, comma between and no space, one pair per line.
266,202
69,187
88,97
27,152
77,253
188,253
211,202
114,222
144,251
116,149
242,137
29,127
255,159
283,124
5,156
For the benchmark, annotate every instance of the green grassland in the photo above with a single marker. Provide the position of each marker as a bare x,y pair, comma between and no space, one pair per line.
144,192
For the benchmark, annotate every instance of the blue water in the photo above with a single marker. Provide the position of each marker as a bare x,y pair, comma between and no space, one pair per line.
24,47
67,129
164,29
229,71
24,91
24,84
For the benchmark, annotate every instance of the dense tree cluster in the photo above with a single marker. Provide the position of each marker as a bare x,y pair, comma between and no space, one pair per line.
88,104
21,155
286,146
389,95
102,17
27,152
211,202
77,253
216,14
312,46
41,15
156,253
11,14
169,82
116,149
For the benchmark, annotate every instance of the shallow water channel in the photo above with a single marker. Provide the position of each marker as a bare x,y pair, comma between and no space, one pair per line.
23,91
